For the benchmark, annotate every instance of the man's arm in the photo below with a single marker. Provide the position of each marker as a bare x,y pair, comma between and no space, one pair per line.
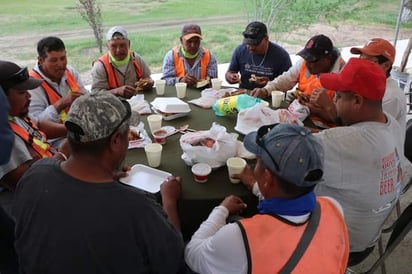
169,72
212,70
170,191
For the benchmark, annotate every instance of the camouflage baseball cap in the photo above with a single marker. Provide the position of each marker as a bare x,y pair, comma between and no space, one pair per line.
95,116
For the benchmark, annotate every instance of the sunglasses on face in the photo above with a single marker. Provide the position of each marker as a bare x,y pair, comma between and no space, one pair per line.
262,131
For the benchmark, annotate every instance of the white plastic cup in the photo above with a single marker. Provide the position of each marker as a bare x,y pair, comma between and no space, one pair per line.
201,172
153,154
181,90
277,98
154,121
216,83
235,165
160,87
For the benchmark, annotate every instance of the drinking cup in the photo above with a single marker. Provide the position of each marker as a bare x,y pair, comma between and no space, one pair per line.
277,98
153,154
154,121
235,165
160,87
216,83
181,90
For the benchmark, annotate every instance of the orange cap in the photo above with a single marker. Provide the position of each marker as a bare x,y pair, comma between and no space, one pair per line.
376,47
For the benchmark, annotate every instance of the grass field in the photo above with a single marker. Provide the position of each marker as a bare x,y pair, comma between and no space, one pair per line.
48,16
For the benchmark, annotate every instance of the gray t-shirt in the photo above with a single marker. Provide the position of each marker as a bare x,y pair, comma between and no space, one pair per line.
362,165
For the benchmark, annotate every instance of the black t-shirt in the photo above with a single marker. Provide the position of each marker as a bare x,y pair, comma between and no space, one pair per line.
64,225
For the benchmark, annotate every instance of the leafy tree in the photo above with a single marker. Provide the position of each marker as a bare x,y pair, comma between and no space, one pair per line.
91,12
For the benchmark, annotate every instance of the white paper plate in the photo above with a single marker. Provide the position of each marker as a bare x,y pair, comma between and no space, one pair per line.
170,105
145,178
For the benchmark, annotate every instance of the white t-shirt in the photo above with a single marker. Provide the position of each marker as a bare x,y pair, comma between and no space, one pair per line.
362,164
394,102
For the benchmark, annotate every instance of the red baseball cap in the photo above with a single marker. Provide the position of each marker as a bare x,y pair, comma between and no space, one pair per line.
359,76
376,47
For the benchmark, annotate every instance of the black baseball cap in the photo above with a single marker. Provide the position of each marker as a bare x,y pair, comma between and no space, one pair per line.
317,47
254,33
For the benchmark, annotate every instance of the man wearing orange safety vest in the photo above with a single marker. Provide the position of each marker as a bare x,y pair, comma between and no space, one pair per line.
61,85
121,70
189,62
29,142
289,165
319,56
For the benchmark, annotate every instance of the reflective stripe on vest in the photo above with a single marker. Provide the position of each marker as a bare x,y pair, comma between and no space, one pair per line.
52,95
112,79
180,63
41,147
270,242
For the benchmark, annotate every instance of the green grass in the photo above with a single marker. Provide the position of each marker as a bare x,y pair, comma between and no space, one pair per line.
43,16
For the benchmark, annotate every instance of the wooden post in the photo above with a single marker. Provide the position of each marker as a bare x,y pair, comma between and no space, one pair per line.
406,56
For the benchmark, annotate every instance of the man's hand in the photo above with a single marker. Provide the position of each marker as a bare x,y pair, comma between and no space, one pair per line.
322,105
123,172
261,81
171,188
232,77
260,92
124,91
66,101
233,204
246,177
190,80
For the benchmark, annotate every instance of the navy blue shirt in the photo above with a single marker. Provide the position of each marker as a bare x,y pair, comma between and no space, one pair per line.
276,61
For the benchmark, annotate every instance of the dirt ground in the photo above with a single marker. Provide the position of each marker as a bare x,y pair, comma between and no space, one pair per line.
20,47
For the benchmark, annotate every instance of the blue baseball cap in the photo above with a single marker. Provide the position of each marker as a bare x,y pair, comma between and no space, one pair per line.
290,151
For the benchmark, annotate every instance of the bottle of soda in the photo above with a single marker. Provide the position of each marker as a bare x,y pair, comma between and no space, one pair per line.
227,105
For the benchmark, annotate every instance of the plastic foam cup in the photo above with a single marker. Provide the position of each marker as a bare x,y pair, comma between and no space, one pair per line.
181,90
216,83
160,87
235,165
277,98
154,121
153,154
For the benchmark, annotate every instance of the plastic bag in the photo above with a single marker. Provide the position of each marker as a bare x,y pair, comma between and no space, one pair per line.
299,110
197,148
251,119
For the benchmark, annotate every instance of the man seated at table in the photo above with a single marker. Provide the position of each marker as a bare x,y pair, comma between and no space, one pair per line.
289,165
190,62
364,156
30,143
121,70
73,217
61,85
257,57
366,149
319,56
382,52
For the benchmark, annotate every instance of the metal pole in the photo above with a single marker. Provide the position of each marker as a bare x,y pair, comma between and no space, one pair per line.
398,23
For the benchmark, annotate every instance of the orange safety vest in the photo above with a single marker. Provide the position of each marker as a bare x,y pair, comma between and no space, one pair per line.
270,242
42,148
112,78
180,64
52,95
308,82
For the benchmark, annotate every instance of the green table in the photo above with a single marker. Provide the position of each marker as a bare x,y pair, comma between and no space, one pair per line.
197,199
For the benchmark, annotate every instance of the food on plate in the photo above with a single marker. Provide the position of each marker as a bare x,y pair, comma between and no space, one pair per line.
142,83
202,83
133,135
237,92
207,142
254,78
